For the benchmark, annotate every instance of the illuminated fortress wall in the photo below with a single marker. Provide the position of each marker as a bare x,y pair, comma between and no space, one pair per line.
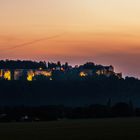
5,74
21,74
33,74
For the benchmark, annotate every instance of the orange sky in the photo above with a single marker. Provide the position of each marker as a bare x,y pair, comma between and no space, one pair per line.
103,31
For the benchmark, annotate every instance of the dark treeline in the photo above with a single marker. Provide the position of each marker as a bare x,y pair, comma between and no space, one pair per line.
50,113
71,93
18,64
28,64
53,100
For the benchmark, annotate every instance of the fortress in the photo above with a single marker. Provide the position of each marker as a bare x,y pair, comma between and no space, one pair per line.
58,72
23,74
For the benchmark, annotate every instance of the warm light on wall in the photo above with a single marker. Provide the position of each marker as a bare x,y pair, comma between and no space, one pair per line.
98,72
7,75
30,76
1,73
83,74
62,69
47,74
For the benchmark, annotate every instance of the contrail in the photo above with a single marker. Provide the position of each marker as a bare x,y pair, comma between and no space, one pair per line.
32,42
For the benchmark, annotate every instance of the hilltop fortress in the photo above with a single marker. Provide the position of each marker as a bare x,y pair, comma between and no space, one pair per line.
29,70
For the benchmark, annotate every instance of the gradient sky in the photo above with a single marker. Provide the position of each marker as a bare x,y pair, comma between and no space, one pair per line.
103,31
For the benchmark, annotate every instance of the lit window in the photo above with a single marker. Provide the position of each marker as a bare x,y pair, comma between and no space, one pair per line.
40,68
83,74
30,76
7,75
51,79
62,69
47,74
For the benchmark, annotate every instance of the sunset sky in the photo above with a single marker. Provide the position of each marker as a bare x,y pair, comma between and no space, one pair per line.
102,31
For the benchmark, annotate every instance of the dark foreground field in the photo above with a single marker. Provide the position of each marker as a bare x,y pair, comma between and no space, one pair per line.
103,129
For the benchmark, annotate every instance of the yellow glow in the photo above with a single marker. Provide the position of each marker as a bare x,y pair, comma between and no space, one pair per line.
7,75
30,76
83,74
47,74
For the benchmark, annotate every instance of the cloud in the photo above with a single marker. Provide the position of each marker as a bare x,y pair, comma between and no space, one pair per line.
27,44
